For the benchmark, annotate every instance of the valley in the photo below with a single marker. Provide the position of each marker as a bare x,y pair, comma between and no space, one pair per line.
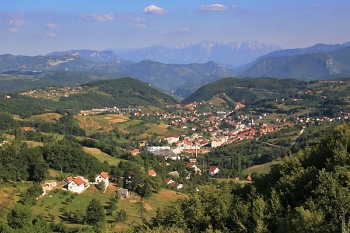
232,131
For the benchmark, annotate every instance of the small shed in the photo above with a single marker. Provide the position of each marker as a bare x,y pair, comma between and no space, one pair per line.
123,193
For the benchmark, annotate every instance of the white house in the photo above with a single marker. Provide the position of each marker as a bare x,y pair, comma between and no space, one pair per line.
102,177
77,185
172,139
212,171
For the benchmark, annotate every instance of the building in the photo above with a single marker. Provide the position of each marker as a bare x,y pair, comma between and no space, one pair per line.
212,171
152,173
102,177
77,185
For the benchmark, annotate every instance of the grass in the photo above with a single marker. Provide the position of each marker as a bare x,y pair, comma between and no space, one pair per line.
47,117
97,153
261,169
34,144
103,122
160,129
9,195
56,200
125,125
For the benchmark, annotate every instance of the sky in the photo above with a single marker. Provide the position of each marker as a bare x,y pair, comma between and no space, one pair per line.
38,27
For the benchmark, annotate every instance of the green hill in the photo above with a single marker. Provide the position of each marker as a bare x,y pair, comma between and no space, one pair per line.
247,90
119,93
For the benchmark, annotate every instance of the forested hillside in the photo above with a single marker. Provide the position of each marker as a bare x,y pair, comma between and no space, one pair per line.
119,93
247,90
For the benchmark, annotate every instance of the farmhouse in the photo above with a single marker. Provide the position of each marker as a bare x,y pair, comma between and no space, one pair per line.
102,177
77,185
212,171
134,152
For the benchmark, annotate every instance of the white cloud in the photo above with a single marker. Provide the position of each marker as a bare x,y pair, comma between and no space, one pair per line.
134,18
234,6
153,9
97,17
13,30
213,7
52,26
16,22
51,34
140,25
185,30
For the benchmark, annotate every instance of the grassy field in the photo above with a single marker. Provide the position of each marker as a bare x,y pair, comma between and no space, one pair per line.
160,129
34,144
100,122
9,195
261,169
97,153
124,125
57,200
47,117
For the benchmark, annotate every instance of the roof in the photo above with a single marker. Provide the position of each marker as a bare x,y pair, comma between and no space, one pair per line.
189,165
167,180
152,172
69,179
122,191
104,175
79,181
172,136
212,169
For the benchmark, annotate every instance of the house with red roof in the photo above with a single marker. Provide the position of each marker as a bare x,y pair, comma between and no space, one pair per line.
77,185
152,172
103,176
134,152
212,171
168,181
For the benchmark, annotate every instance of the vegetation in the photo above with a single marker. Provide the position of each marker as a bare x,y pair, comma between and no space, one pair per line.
299,170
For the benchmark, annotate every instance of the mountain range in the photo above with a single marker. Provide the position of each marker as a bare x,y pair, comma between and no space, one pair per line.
231,54
316,62
75,67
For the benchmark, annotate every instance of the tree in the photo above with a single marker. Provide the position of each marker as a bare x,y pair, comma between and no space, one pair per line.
20,217
95,212
121,216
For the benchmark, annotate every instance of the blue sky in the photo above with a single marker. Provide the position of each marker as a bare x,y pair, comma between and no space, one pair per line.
37,27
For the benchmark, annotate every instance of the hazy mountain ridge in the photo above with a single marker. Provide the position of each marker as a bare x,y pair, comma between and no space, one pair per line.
164,76
105,56
309,65
230,53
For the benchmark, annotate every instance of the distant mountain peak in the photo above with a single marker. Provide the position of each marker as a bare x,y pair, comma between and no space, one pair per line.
231,53
103,56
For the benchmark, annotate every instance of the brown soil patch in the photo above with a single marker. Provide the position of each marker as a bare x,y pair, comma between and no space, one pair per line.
147,207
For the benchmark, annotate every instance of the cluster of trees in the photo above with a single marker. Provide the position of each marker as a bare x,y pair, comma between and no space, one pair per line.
21,219
19,162
235,157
